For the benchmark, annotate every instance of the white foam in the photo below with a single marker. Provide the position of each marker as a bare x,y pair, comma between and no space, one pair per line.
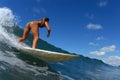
8,19
11,59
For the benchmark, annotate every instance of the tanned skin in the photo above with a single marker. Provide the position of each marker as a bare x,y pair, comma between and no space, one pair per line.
34,27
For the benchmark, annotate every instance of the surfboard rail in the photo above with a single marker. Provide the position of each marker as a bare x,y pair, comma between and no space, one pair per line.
49,56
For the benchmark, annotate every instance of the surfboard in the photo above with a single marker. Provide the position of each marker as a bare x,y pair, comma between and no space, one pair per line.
49,56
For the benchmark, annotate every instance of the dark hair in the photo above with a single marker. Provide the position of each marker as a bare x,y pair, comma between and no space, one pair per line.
46,19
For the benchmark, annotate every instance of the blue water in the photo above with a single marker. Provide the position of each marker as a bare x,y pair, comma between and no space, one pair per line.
15,65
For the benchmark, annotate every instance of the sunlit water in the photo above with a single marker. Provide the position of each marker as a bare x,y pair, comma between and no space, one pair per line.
14,65
11,67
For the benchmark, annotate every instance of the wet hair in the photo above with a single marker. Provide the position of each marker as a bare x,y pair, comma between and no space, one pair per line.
46,19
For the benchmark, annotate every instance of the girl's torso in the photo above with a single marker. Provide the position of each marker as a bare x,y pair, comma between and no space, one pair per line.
40,23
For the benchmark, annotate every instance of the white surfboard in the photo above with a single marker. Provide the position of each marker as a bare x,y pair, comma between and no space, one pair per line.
48,55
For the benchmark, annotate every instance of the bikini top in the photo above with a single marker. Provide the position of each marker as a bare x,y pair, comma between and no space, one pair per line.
42,24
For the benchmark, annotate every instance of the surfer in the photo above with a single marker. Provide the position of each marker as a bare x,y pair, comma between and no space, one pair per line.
34,27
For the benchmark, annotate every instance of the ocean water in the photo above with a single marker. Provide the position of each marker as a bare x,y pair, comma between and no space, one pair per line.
15,65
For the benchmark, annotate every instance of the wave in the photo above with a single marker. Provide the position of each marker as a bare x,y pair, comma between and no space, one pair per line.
17,65
11,62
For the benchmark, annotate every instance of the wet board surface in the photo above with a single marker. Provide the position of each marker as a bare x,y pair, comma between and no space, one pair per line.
48,55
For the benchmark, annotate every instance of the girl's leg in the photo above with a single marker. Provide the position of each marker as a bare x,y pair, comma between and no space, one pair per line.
25,34
36,36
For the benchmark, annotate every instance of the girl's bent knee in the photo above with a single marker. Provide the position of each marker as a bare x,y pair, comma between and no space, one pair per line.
24,38
36,38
